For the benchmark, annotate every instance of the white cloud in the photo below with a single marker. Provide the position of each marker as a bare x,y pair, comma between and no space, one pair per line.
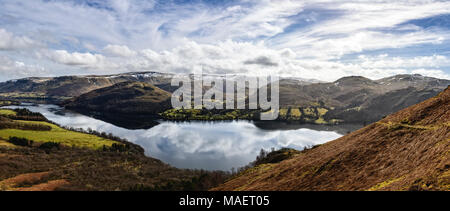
303,38
361,41
267,18
257,59
8,41
385,61
12,69
76,58
225,57
119,50
432,73
135,24
89,46
365,25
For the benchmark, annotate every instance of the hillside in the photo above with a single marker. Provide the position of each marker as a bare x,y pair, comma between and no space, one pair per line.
355,99
39,155
408,150
129,104
351,99
58,89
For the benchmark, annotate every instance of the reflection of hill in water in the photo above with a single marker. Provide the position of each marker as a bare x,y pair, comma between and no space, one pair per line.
280,125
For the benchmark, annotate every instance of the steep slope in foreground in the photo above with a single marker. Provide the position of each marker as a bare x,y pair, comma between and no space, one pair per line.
408,150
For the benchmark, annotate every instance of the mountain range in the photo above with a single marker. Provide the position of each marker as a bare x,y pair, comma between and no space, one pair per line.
351,99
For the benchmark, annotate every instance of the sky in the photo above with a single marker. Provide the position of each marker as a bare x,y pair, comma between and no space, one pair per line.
314,39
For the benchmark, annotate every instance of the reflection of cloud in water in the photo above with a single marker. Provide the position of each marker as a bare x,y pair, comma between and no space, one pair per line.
222,145
207,145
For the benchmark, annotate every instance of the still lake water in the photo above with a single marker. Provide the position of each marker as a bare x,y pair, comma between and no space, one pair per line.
200,145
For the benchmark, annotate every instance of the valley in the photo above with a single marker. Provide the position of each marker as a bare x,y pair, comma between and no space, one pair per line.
165,149
145,97
209,145
40,155
196,102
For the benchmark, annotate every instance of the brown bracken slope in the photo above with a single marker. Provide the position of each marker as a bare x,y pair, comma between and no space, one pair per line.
408,150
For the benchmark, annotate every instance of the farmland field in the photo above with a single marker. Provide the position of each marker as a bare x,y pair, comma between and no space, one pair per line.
7,112
59,135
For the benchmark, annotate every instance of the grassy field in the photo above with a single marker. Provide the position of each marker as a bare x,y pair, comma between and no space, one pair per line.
23,95
7,103
59,135
7,112
6,144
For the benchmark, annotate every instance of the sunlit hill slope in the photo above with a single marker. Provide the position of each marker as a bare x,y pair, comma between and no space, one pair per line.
408,150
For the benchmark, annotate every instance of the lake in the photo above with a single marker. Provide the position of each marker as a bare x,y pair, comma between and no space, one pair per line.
204,145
